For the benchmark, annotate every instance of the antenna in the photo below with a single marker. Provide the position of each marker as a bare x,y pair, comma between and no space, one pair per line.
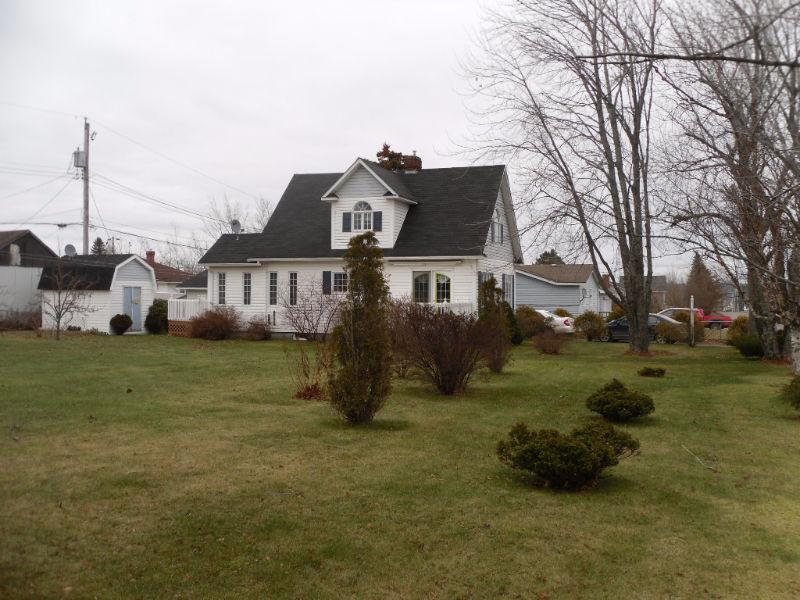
69,250
236,227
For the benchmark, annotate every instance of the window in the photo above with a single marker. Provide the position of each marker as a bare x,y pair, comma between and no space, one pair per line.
220,288
247,281
292,288
339,282
273,288
362,216
442,288
497,230
422,286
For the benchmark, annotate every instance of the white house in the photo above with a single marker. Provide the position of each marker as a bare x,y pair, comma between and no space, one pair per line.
168,278
572,287
195,287
109,284
442,231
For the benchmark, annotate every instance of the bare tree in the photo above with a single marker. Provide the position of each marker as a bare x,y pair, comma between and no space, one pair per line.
579,130
311,312
65,294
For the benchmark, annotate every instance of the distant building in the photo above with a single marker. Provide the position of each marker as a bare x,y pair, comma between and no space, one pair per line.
733,300
22,256
547,287
167,277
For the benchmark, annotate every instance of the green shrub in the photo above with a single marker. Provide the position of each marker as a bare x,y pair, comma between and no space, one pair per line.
514,330
749,345
652,372
699,326
156,319
570,461
218,323
590,324
739,326
791,393
617,403
669,333
497,344
617,312
530,321
120,324
550,342
562,312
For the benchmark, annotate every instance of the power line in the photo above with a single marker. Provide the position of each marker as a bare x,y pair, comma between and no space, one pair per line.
152,239
46,204
38,185
91,192
39,109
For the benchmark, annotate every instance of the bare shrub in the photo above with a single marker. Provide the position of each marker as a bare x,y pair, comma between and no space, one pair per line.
313,313
309,370
530,321
20,320
590,324
550,342
259,329
218,323
443,348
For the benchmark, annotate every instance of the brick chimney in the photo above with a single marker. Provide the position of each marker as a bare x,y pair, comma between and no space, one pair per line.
151,257
413,163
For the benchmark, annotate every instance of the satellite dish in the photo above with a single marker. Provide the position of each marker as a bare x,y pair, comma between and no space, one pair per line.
236,227
69,250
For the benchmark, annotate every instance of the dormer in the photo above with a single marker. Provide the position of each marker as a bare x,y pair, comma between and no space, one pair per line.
367,197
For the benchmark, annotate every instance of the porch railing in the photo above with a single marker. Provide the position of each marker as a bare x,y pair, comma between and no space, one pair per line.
454,307
185,310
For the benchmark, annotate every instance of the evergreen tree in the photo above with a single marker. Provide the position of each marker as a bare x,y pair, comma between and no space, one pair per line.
98,247
549,257
704,286
388,159
497,338
360,378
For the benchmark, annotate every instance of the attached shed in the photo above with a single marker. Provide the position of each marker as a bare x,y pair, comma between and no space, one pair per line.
108,285
196,286
547,287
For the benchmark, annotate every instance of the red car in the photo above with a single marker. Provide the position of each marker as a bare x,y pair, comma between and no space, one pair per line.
713,321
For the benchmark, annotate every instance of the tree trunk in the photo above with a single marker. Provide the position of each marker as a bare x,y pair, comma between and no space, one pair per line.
795,338
638,316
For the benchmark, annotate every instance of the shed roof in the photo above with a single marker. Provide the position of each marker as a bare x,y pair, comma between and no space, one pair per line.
576,273
85,272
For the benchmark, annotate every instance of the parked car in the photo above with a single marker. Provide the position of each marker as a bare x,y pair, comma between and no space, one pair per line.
619,330
559,324
714,321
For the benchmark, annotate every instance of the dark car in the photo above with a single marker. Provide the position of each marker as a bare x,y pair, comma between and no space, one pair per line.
618,330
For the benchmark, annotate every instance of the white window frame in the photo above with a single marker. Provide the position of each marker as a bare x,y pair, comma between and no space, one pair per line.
433,287
221,288
247,288
362,216
339,283
449,283
273,288
293,288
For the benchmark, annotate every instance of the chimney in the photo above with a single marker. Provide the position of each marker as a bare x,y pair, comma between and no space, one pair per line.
151,257
413,163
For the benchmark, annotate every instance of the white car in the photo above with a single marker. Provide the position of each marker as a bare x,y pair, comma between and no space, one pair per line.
559,324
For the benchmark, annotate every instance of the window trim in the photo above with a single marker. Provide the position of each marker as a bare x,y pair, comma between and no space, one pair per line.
247,288
293,288
273,288
221,287
340,286
361,219
414,275
449,284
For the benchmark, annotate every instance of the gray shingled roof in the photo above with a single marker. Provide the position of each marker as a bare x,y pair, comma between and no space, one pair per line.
197,281
87,272
577,273
452,218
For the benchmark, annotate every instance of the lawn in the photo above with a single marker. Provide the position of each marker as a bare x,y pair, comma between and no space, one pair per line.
154,467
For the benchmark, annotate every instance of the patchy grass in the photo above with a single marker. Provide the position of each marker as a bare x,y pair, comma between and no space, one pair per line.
207,480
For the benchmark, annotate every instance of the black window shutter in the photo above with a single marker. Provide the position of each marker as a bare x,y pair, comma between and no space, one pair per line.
326,282
502,232
346,221
377,220
491,229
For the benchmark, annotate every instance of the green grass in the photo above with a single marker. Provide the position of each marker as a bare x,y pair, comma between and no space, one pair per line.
207,480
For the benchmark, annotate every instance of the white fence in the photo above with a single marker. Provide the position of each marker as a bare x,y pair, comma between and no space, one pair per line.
184,310
462,308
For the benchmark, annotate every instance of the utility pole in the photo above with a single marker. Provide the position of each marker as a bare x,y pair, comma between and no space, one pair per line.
85,185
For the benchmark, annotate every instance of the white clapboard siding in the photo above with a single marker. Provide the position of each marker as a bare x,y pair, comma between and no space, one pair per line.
499,257
95,316
400,212
546,296
361,184
385,237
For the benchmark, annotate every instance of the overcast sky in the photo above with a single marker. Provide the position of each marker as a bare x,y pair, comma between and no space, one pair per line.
246,93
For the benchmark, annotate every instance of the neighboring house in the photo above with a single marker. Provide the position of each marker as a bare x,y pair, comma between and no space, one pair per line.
658,294
547,287
168,278
196,286
22,256
112,284
442,231
733,300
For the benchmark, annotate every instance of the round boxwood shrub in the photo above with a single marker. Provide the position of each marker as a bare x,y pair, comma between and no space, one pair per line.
652,372
791,392
565,461
156,319
120,324
617,403
530,321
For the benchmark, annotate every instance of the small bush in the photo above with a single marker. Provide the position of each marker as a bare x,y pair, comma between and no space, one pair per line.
669,333
791,393
590,324
652,372
259,329
442,348
562,312
514,330
739,326
749,345
120,324
530,321
309,376
617,312
156,319
562,461
550,342
20,320
218,323
617,403
699,327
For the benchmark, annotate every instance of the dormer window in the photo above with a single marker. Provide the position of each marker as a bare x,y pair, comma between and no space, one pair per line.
362,216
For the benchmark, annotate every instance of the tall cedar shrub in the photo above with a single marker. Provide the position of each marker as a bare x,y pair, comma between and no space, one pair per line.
565,461
497,345
360,376
218,323
120,324
156,319
531,322
590,324
514,330
440,347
